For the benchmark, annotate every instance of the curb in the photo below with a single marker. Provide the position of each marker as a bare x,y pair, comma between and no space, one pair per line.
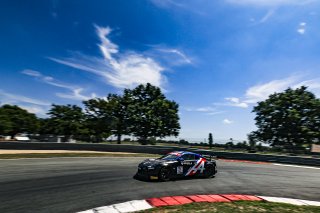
138,205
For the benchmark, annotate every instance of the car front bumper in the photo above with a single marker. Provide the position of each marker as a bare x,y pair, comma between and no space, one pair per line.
144,172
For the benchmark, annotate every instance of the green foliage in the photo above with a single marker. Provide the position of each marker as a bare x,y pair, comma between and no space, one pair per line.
290,119
120,114
210,140
99,120
67,120
150,114
14,120
143,112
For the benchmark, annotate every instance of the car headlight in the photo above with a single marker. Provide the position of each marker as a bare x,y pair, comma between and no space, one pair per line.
150,167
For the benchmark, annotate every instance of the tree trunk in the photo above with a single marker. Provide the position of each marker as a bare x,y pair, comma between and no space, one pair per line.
119,139
143,140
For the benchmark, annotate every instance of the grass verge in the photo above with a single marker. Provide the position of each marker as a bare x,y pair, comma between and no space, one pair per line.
236,207
54,155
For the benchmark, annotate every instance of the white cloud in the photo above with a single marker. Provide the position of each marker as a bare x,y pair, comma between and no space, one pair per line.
270,2
227,121
31,73
120,70
35,109
76,95
302,28
9,98
175,56
260,92
236,103
207,110
167,3
74,91
267,16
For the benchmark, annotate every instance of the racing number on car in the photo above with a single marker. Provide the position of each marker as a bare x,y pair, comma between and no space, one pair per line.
179,170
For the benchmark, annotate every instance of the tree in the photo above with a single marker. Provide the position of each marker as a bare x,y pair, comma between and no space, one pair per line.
150,113
67,120
252,140
99,118
210,140
108,116
290,119
14,120
119,112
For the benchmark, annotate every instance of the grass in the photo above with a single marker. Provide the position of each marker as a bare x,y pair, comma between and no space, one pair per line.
236,207
54,155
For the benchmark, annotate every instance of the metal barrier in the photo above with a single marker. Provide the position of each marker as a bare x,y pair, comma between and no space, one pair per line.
299,160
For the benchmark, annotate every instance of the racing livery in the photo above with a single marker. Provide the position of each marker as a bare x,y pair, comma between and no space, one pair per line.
177,164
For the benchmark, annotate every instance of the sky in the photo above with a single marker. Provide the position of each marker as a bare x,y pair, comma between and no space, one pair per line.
216,59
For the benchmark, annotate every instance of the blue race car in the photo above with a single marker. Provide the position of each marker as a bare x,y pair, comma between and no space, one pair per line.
177,164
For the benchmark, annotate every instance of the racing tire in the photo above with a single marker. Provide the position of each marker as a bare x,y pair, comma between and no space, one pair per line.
164,174
210,171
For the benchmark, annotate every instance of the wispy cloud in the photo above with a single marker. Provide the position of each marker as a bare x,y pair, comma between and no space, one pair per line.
121,70
76,95
236,102
267,16
9,98
171,56
227,121
187,6
207,110
302,28
270,2
74,92
39,110
260,92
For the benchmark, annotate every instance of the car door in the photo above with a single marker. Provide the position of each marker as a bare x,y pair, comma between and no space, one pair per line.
187,163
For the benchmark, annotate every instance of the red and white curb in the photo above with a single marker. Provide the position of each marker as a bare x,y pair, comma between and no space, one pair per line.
138,205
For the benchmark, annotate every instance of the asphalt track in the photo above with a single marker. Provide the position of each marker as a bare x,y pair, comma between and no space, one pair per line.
75,184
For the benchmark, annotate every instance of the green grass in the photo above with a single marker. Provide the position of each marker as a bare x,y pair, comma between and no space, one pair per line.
54,155
236,207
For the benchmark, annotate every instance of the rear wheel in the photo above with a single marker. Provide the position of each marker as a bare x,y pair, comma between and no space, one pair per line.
164,174
210,171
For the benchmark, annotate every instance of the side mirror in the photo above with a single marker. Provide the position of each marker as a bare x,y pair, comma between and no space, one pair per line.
180,159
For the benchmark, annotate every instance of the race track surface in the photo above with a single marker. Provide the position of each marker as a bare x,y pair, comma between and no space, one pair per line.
75,184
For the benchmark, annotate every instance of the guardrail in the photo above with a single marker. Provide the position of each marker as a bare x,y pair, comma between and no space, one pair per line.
311,161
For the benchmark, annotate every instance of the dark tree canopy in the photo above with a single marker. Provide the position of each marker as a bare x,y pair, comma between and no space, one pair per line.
120,115
99,120
288,119
107,116
14,120
67,120
151,114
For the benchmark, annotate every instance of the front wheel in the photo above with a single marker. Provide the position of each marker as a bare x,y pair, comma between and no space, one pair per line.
164,174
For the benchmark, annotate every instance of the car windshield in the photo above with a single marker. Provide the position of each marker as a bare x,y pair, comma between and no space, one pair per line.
169,157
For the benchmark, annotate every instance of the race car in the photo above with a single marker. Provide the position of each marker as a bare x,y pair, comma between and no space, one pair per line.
177,164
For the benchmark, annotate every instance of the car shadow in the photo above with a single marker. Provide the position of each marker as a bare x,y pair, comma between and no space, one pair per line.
172,180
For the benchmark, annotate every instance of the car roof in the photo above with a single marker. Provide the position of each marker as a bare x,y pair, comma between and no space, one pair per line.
180,153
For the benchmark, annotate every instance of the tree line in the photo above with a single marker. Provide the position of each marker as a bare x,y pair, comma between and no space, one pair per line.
287,120
143,112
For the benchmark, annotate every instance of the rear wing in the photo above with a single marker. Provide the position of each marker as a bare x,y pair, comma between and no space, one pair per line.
210,157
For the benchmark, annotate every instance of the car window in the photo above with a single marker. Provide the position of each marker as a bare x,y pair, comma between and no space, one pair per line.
188,157
169,157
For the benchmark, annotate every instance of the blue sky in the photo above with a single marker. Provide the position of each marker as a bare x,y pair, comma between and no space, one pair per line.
217,59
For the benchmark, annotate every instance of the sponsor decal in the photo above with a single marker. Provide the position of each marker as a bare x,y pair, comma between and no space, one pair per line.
199,166
153,178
